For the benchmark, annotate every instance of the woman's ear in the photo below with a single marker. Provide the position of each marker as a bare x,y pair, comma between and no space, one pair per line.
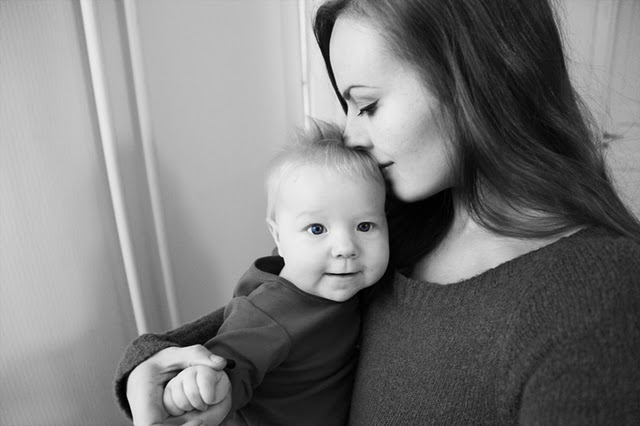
273,229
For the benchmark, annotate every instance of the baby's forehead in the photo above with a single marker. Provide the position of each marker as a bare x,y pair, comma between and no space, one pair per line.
327,174
315,185
322,176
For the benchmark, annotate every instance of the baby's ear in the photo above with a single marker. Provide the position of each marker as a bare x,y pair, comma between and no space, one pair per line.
273,229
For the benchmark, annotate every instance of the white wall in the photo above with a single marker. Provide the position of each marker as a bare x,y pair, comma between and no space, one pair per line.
224,89
65,316
603,38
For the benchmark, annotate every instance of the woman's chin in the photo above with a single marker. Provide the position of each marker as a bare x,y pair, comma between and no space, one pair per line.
407,195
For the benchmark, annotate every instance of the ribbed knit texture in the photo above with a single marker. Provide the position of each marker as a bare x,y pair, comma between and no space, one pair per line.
551,337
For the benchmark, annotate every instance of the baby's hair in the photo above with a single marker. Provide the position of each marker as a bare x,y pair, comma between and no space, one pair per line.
319,144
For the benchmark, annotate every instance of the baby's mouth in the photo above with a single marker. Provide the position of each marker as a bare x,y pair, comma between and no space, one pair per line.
342,274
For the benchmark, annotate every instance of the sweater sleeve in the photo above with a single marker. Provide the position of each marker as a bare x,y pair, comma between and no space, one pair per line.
146,345
255,341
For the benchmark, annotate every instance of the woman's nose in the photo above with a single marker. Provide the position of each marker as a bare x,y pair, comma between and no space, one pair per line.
355,134
344,246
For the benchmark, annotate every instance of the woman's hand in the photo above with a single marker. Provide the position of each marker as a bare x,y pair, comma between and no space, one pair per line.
145,387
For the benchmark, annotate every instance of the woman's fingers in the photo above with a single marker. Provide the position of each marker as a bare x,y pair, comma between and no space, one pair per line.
144,393
175,358
193,423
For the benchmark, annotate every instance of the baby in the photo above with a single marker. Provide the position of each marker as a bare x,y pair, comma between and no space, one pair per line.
292,327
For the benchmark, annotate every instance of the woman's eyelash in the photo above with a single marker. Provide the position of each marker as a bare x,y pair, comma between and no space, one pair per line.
368,110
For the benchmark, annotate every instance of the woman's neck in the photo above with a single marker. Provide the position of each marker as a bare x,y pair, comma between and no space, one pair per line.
469,249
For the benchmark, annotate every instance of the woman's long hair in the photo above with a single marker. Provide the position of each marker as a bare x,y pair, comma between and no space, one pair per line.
529,163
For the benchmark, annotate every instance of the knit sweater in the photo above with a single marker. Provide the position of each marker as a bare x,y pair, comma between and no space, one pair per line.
551,337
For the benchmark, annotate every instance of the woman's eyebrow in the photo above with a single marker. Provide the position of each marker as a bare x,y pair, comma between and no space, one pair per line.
346,94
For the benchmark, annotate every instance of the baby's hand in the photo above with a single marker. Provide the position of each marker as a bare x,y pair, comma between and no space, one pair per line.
195,388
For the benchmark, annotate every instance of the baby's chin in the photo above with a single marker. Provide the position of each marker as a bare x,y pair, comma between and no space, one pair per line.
342,295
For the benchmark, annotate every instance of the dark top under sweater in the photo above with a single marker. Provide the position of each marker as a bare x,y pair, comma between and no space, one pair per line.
551,337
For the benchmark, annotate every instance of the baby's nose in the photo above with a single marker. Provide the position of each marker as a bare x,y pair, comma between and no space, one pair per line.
344,246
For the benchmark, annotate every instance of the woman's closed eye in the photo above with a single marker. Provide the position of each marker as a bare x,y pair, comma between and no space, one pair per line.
316,229
368,110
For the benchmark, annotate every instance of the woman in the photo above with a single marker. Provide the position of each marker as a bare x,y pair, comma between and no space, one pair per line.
518,293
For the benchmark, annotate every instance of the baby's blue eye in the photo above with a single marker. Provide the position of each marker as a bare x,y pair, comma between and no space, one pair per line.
316,229
365,226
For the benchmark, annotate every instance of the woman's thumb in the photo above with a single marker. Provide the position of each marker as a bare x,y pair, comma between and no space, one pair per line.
176,358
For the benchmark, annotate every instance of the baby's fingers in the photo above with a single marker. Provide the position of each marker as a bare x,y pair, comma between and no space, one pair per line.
214,385
190,386
168,401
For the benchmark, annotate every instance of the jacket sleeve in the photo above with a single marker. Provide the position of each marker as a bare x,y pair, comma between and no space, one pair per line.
146,345
255,341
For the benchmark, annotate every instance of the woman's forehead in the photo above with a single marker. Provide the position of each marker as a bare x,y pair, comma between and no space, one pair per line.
358,54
